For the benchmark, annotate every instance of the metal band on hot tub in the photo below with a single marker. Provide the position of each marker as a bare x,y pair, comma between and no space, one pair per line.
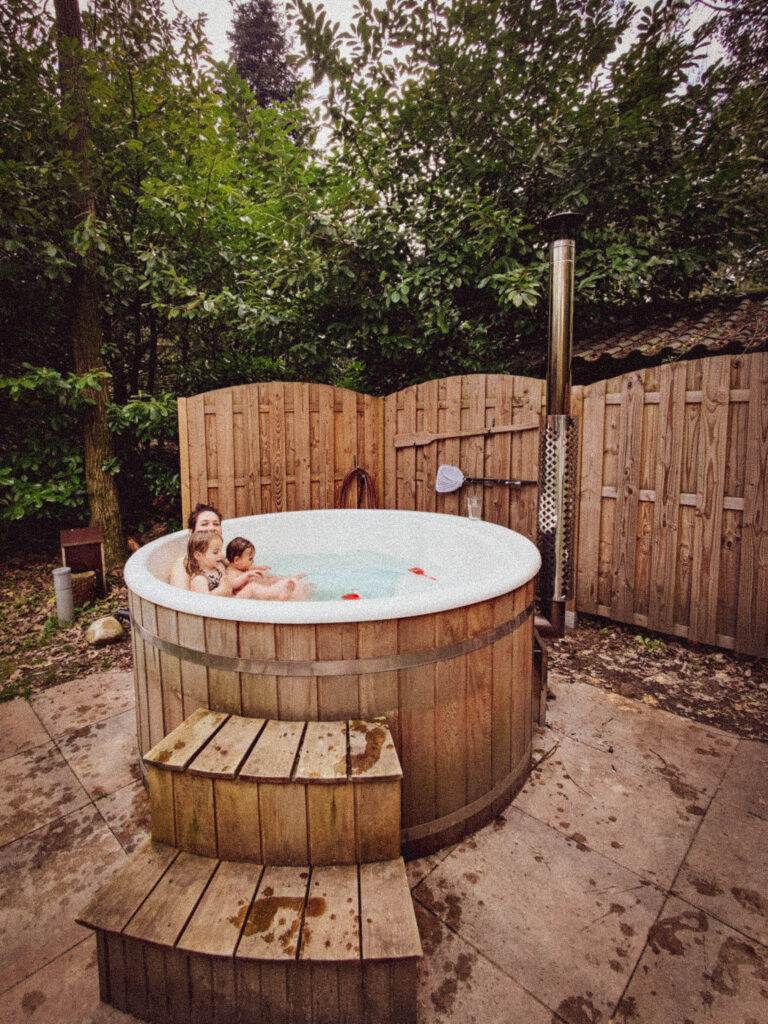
350,667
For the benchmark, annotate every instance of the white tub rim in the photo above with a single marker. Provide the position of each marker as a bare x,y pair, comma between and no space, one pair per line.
518,563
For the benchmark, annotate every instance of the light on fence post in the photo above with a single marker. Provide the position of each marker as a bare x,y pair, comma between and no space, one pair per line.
558,451
65,604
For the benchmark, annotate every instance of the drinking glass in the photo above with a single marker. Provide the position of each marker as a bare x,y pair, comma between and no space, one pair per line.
475,507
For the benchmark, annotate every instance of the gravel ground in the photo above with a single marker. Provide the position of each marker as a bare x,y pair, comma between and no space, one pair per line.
718,688
35,652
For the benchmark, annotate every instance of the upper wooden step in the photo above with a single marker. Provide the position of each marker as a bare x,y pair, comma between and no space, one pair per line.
277,792
182,937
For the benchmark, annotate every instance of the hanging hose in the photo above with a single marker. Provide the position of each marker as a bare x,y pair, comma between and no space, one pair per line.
366,489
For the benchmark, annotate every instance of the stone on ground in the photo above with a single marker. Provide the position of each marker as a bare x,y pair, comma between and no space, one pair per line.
104,631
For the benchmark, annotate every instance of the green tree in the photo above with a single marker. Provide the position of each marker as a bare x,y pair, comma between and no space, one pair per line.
208,221
259,51
743,31
466,122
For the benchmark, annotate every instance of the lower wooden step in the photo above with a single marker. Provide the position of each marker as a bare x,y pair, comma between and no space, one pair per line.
183,938
277,792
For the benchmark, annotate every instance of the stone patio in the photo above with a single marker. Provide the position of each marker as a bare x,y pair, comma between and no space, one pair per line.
628,882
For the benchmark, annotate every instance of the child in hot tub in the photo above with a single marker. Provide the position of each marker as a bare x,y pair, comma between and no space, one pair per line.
207,573
241,571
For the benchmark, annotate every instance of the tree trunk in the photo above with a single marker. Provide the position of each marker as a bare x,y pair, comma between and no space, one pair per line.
152,364
85,325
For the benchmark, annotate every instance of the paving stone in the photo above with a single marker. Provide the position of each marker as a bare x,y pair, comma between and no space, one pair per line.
67,708
20,728
457,984
696,971
637,816
127,814
104,755
45,880
37,786
746,781
726,870
417,870
66,991
677,747
564,922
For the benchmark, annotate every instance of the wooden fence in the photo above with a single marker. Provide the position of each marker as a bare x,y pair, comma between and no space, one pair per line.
275,447
673,499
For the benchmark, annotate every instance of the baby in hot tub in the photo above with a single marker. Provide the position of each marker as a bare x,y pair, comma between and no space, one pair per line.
241,572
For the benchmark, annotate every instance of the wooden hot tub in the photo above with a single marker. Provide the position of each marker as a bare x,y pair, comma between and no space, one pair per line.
447,656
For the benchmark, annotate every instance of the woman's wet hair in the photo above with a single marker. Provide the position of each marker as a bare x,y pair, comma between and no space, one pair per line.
198,510
238,546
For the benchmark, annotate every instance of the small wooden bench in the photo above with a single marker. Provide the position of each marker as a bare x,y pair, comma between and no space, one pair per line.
276,792
183,938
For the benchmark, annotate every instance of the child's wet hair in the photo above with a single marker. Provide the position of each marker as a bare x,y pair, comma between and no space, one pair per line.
198,510
198,544
238,546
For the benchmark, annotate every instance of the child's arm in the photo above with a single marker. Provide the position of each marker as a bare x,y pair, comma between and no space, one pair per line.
198,584
237,579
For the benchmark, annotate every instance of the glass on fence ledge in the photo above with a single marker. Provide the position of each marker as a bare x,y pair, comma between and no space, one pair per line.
475,508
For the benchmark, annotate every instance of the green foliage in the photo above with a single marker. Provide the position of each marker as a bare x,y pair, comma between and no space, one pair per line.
464,123
653,645
10,691
148,418
409,247
41,469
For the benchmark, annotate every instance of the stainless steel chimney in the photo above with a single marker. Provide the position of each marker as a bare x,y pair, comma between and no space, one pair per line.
559,439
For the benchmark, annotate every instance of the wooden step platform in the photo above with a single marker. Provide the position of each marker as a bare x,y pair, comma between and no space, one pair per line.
183,938
276,792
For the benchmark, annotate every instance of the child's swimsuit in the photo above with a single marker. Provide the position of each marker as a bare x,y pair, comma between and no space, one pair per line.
213,576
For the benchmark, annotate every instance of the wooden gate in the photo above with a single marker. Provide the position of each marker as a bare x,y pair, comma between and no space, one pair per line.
275,447
459,410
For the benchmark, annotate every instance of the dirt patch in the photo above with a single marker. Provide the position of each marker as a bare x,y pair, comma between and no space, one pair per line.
430,930
35,652
444,997
447,906
703,886
751,900
716,688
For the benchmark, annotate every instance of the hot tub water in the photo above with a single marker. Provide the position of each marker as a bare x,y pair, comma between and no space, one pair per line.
356,575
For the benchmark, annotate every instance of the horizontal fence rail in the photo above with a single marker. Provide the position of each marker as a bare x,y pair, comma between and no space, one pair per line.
673,502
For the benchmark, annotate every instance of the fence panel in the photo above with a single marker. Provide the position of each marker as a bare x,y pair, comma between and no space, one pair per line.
673,509
275,447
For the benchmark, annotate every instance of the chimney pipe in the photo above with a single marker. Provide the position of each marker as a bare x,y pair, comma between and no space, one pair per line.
557,459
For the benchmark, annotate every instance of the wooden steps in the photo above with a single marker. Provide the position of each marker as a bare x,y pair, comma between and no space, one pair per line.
272,792
184,938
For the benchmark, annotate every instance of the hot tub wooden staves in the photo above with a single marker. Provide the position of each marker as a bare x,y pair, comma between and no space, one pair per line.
455,687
